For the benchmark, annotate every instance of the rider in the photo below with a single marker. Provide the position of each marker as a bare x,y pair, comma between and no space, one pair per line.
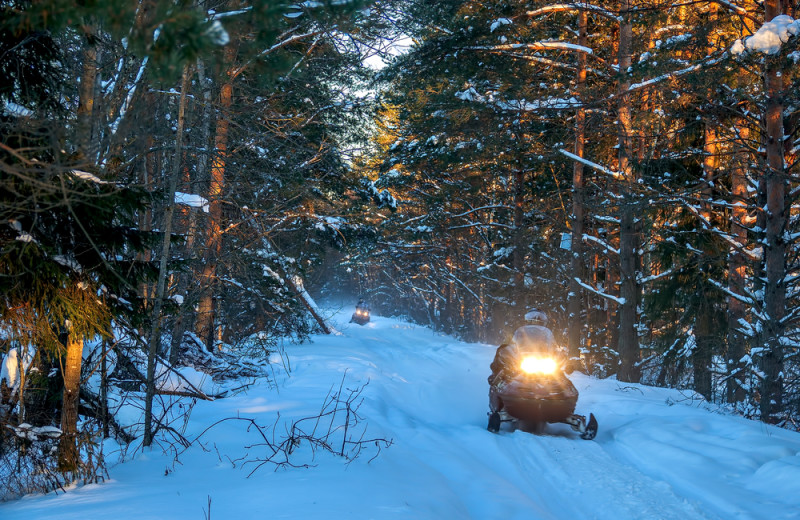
532,338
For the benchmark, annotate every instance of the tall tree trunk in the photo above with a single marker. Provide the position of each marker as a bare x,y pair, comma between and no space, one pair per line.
628,346
577,261
775,245
86,96
703,323
68,452
204,324
150,165
737,269
704,347
518,256
155,333
183,318
104,389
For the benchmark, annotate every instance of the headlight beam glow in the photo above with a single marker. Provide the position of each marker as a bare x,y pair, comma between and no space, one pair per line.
538,365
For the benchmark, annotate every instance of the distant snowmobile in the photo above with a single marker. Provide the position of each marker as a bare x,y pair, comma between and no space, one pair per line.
361,316
528,384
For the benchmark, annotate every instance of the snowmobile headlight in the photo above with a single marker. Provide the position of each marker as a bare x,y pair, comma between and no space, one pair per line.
539,365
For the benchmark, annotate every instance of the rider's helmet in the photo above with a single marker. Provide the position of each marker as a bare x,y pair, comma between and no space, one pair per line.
536,317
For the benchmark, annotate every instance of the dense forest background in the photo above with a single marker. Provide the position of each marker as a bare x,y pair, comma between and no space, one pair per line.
178,178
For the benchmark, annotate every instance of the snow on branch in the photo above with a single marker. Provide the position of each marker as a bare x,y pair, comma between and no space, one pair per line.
536,46
493,206
284,41
730,293
674,74
735,8
123,110
751,254
598,292
289,41
462,284
499,22
86,176
770,37
517,105
605,245
555,8
481,225
591,164
533,106
655,277
212,14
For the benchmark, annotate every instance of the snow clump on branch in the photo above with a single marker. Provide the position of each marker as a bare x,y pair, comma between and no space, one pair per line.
770,37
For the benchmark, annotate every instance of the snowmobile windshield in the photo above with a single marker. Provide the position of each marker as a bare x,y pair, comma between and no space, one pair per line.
534,339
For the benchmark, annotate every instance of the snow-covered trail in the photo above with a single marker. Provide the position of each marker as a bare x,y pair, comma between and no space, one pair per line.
658,455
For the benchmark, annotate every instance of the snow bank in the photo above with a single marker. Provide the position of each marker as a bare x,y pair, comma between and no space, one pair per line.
660,454
183,379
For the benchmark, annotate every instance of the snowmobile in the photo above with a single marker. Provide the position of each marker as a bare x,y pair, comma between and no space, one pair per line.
537,394
361,316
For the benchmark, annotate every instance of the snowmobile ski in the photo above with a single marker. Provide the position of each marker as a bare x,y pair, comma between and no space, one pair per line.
591,428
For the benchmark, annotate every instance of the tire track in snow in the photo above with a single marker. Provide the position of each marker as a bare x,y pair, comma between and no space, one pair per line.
534,476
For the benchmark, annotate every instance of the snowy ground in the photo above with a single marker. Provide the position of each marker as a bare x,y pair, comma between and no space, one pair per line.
658,455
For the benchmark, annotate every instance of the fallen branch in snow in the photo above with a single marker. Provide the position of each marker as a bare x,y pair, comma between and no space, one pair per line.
29,461
335,429
92,406
194,395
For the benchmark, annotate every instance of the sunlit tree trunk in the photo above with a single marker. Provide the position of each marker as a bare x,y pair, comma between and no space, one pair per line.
577,261
628,341
68,455
204,325
86,95
741,200
183,320
776,220
703,327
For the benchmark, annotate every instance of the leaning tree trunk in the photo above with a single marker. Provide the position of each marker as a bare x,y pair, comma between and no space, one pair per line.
155,331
